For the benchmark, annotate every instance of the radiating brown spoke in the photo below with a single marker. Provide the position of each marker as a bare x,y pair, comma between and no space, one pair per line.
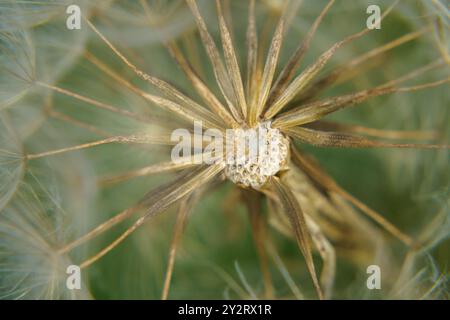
155,202
269,69
293,64
93,102
231,61
66,118
302,80
342,72
316,110
318,175
168,166
132,139
145,171
187,103
373,132
220,72
342,140
185,208
253,202
201,88
186,113
123,215
252,57
297,219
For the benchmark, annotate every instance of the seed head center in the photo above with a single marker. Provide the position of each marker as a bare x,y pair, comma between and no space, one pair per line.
254,155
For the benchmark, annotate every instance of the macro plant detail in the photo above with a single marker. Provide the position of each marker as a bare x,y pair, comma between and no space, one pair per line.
253,169
285,187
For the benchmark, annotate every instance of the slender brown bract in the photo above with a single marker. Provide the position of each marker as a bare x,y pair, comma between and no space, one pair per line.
297,219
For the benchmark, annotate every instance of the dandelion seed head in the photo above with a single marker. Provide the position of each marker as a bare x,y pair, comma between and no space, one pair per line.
59,90
30,233
254,170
